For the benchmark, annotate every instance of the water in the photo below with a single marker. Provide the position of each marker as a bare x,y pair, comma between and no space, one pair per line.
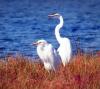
25,21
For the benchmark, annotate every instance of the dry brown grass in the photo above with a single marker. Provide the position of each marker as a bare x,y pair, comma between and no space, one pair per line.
83,72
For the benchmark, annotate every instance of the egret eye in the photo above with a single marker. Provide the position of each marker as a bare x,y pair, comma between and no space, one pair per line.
39,42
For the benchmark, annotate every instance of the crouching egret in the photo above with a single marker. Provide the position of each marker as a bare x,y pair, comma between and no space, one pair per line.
64,49
47,54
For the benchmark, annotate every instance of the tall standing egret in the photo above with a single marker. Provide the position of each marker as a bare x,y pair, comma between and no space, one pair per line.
47,54
65,45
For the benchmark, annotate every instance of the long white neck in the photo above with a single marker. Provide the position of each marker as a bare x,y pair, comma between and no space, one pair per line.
58,27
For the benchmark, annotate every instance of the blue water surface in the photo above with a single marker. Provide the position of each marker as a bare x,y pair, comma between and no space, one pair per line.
25,21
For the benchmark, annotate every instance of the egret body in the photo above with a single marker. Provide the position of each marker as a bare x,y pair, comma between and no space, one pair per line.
47,54
64,49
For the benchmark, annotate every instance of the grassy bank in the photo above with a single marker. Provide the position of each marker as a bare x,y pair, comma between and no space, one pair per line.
83,72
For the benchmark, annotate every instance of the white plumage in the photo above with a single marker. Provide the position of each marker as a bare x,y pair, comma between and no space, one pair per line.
65,45
47,54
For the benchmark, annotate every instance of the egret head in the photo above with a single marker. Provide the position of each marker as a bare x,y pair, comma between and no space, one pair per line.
40,42
54,15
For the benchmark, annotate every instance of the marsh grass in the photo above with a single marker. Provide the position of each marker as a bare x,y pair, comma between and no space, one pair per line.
82,72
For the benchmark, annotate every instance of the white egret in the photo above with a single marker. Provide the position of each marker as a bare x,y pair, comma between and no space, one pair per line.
47,54
64,49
